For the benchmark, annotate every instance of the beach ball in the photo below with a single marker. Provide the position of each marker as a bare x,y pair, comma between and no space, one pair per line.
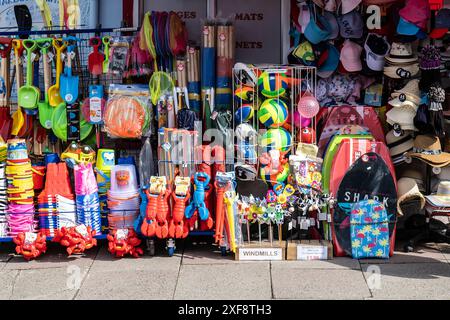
277,138
300,121
272,177
308,106
244,131
272,85
244,113
273,113
244,94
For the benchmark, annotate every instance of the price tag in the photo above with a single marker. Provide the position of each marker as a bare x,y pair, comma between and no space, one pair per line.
312,222
322,216
30,237
329,217
304,224
95,108
290,225
294,223
50,56
122,234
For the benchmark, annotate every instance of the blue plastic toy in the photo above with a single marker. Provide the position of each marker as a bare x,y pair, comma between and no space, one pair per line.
198,198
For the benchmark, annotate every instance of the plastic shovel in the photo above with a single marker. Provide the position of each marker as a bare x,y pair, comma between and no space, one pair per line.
45,110
106,43
54,98
95,59
28,95
69,83
5,118
17,117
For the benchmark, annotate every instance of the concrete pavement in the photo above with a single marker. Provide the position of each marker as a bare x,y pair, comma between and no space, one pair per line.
198,272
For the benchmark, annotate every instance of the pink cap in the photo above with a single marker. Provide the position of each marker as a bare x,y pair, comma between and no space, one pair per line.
416,12
351,56
349,5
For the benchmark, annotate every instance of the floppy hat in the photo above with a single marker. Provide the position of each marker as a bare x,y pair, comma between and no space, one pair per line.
416,12
376,48
401,72
351,56
349,5
442,24
428,149
318,28
351,25
401,53
399,144
334,26
402,117
331,63
409,95
442,197
407,190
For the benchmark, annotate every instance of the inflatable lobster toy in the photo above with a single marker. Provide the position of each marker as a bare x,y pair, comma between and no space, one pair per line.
178,226
124,241
30,245
197,205
76,239
156,220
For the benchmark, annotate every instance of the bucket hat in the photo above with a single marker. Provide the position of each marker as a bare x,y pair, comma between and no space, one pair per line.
351,25
416,12
351,56
409,95
376,48
401,53
407,190
428,149
442,24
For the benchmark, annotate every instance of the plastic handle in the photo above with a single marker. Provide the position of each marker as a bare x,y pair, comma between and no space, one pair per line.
29,45
59,45
95,42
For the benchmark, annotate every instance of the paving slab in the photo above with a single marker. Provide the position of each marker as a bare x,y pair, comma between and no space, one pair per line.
423,254
128,284
224,281
55,257
52,283
336,263
410,281
7,278
444,248
104,261
205,254
300,283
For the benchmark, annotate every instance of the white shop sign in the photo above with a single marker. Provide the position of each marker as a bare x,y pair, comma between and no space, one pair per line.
308,252
260,254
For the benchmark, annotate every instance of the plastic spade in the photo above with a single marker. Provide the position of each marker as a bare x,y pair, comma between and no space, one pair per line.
54,98
5,118
45,110
106,42
17,117
28,95
95,60
69,83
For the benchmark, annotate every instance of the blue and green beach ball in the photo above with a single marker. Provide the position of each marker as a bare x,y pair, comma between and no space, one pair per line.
273,113
277,138
272,85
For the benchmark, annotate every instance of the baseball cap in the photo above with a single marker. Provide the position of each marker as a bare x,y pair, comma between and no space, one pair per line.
304,54
330,64
351,56
334,26
442,24
376,48
416,12
349,5
318,29
351,25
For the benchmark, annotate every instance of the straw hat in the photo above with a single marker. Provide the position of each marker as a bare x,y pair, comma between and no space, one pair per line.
403,117
401,71
442,197
407,190
409,95
428,149
399,144
401,53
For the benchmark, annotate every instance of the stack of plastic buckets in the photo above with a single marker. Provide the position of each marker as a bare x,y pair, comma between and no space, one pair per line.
3,194
56,202
123,197
20,190
105,162
86,191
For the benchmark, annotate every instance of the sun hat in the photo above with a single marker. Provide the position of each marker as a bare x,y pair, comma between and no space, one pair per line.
408,190
351,25
416,12
334,26
409,95
399,144
402,117
428,149
318,28
351,56
430,58
401,72
401,53
331,63
376,48
442,197
442,24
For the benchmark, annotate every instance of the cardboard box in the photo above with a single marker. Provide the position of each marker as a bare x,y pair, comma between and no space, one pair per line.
309,250
263,251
